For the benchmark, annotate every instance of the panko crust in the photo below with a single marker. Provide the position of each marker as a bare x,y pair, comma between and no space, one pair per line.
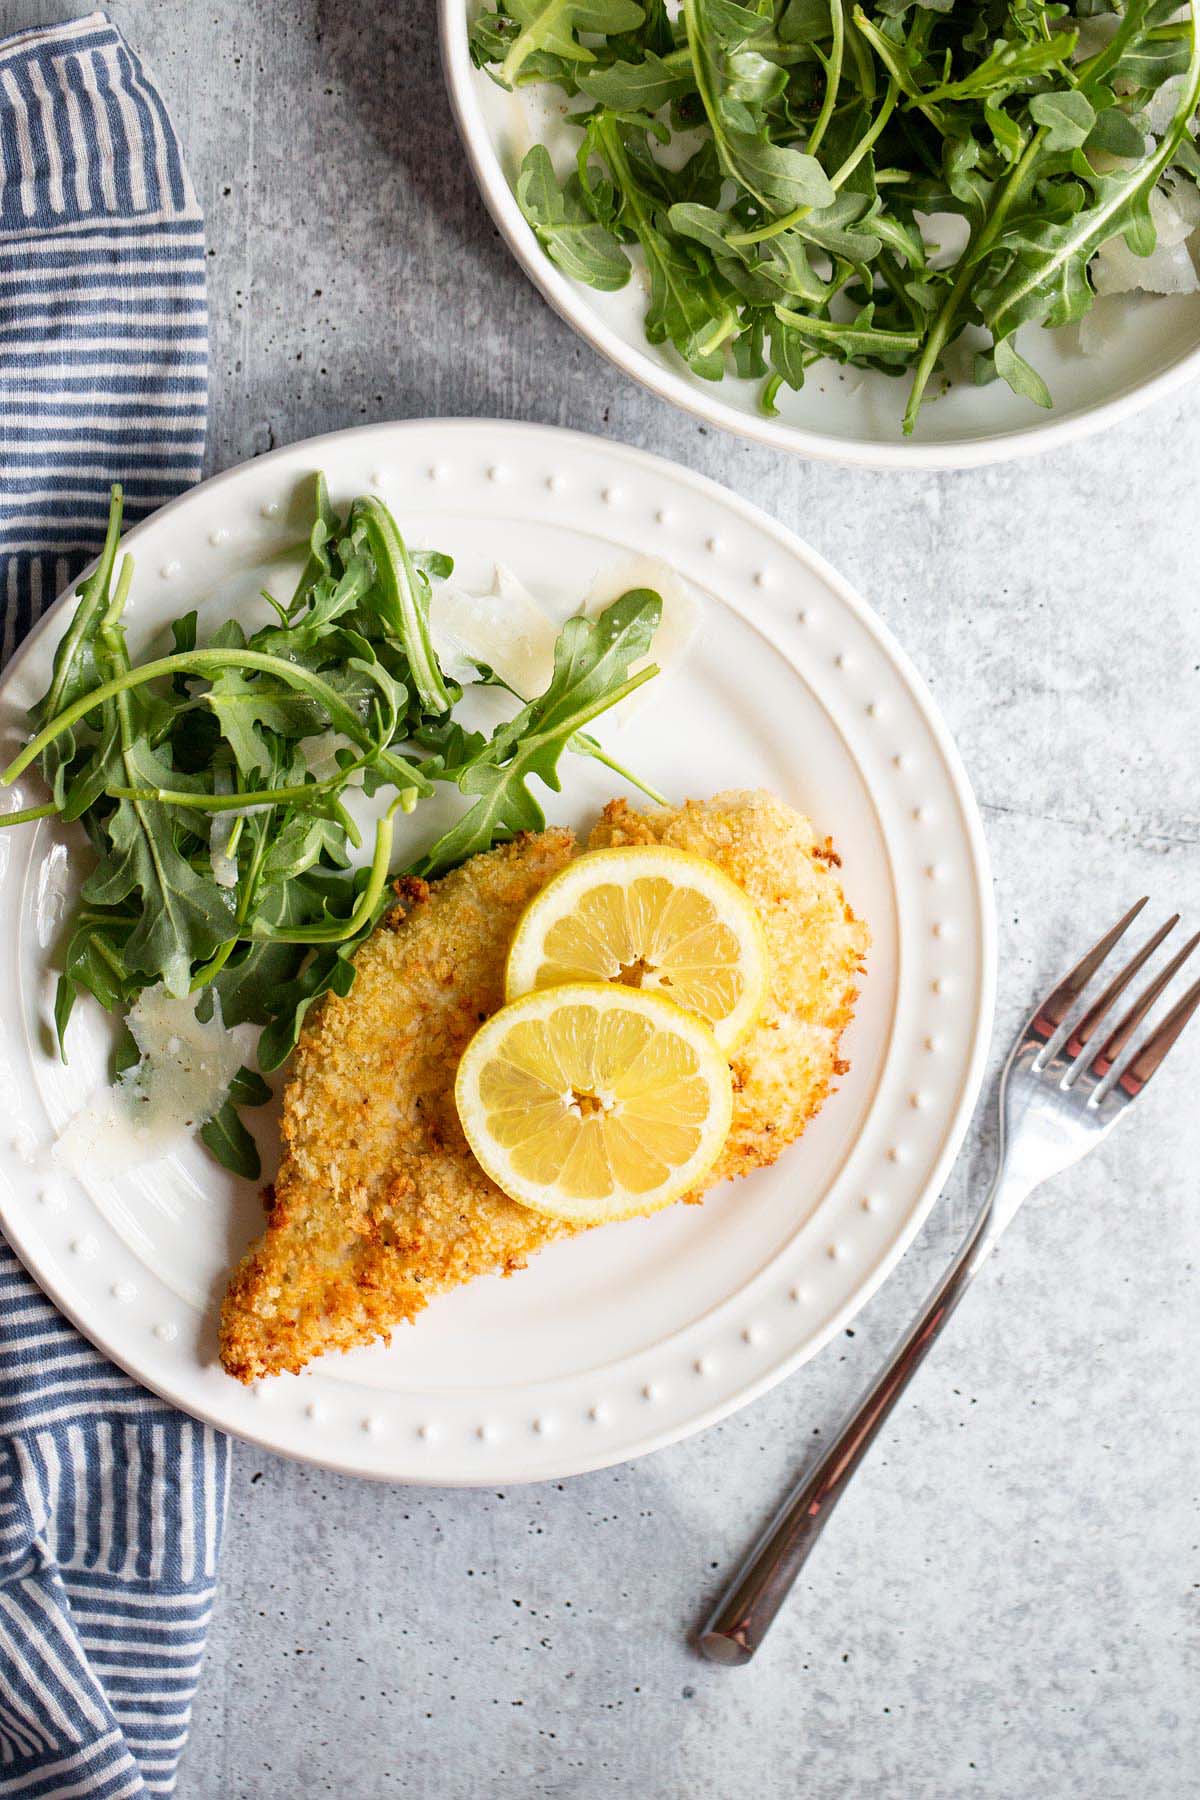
379,1203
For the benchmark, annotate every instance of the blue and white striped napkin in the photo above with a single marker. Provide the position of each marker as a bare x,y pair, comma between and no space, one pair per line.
111,1503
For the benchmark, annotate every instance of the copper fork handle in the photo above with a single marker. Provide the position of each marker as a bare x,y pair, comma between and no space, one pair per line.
747,1609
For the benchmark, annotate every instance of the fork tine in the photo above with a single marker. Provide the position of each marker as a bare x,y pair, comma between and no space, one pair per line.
1121,1033
1135,1076
1082,1032
1061,999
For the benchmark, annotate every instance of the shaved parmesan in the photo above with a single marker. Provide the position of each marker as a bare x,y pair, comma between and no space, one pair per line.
505,629
677,627
1163,103
509,632
181,1079
1169,268
320,754
1101,324
220,836
1175,211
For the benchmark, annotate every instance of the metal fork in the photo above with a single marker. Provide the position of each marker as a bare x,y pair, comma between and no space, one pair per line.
1059,1096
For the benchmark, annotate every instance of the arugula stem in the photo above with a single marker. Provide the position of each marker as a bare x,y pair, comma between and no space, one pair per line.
27,813
251,798
833,78
257,799
585,745
116,605
281,612
869,340
863,62
338,930
211,969
940,330
886,52
191,662
94,596
722,329
1091,72
114,962
400,584
246,898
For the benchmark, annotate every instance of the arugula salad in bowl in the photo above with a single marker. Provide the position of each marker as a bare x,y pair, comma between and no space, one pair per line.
774,206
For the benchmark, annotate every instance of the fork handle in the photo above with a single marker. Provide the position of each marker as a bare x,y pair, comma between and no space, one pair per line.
748,1607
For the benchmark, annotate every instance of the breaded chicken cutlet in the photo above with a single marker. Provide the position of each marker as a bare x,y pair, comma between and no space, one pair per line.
379,1204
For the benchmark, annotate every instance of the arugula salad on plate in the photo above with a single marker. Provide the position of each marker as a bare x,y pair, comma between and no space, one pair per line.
900,187
217,784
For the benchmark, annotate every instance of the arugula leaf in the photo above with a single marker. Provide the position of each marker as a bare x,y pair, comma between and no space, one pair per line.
256,975
1006,67
74,671
95,961
1116,133
183,915
566,228
760,273
1068,118
318,565
859,337
550,26
641,86
1021,378
592,660
401,596
330,971
226,1136
246,706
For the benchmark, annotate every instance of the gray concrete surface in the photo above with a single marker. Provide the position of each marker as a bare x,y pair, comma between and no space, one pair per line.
1006,1606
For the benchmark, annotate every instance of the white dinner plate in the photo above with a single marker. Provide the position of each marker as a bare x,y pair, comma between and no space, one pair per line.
629,1337
841,415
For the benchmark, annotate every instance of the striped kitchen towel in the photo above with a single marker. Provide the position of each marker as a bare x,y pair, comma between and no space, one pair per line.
111,1502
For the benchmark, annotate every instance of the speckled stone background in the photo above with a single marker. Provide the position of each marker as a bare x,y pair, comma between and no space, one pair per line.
1006,1605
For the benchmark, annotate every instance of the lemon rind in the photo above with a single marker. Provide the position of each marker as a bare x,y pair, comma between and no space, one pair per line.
618,857
690,1174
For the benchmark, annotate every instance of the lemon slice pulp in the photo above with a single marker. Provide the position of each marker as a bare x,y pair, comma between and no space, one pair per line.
650,917
592,1102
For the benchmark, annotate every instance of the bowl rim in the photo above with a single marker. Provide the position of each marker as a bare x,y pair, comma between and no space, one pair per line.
1000,446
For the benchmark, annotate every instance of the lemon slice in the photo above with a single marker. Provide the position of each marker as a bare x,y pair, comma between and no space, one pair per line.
593,1102
653,918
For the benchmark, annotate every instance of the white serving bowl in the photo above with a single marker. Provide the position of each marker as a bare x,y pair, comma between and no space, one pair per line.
842,415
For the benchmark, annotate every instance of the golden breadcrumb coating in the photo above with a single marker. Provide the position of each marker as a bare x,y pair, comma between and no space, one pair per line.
379,1203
